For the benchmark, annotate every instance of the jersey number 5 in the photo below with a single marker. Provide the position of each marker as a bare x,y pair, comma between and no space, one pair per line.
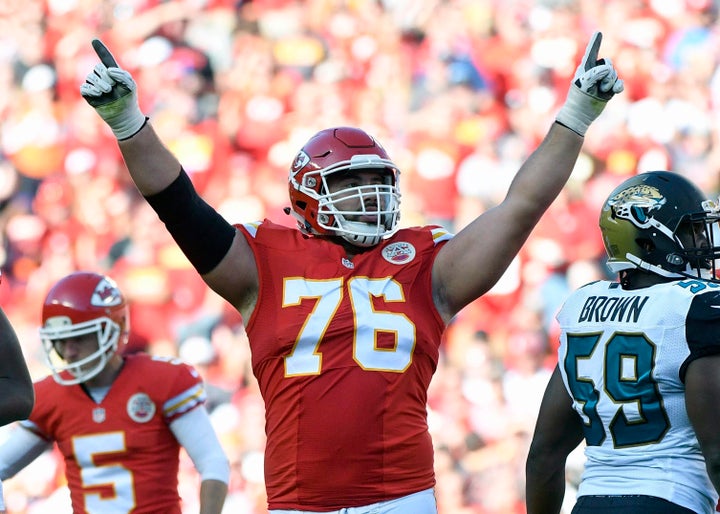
628,363
113,476
306,358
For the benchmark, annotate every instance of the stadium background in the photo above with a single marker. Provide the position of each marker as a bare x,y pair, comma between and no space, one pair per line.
459,91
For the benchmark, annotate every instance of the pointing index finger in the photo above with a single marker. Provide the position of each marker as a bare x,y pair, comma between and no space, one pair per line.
591,52
104,54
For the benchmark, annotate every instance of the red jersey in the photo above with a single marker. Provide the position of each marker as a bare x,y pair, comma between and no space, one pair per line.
120,455
344,352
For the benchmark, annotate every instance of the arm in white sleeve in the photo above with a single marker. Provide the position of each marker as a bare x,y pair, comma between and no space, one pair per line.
195,433
20,448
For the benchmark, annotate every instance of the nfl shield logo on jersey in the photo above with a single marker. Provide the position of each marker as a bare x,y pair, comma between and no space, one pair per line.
140,408
98,415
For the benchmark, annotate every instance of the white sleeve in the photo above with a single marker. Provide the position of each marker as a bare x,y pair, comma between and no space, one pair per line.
195,433
19,449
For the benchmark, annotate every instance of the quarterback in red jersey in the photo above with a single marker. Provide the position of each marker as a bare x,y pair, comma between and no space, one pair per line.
345,315
118,421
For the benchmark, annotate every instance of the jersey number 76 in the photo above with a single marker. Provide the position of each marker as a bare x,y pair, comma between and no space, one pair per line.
306,358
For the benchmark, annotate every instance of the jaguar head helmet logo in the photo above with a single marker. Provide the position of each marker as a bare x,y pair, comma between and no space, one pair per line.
637,203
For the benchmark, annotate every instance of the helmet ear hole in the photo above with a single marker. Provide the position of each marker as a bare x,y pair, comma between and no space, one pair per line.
646,244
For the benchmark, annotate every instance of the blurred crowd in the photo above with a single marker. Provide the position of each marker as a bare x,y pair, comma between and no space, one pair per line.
458,91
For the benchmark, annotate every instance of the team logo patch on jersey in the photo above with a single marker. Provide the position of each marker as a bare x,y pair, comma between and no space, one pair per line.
399,253
347,263
140,408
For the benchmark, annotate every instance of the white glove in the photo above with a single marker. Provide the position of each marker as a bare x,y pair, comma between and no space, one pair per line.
112,92
594,83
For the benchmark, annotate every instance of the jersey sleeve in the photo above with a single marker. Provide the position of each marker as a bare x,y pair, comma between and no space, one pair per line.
186,392
42,419
702,328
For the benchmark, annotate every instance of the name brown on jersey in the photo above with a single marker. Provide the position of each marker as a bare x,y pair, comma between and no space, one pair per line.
604,308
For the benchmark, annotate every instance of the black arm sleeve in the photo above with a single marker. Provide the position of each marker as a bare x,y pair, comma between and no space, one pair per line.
702,328
201,233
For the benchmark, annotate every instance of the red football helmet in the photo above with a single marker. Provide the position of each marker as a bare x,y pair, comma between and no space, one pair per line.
340,150
79,304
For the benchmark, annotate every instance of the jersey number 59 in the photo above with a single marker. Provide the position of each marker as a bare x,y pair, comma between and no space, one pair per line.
628,362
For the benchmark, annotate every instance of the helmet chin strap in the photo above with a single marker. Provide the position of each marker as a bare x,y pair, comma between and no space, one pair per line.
652,268
356,239
701,274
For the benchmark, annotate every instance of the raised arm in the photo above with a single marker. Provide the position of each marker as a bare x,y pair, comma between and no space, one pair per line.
215,248
473,261
17,396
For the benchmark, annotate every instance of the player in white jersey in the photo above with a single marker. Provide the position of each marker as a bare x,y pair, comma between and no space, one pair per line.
638,375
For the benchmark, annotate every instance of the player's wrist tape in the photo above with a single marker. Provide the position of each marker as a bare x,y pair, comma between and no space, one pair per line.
579,110
201,233
145,122
124,117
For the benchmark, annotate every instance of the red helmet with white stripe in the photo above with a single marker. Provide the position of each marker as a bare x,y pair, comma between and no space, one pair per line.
342,151
79,304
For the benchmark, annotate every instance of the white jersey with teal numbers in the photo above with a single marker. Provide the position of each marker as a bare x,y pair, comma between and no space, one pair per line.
621,354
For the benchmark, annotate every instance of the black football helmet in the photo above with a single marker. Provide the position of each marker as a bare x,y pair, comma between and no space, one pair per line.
662,223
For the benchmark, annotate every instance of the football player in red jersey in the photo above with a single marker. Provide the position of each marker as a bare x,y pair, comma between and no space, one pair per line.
345,315
118,421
